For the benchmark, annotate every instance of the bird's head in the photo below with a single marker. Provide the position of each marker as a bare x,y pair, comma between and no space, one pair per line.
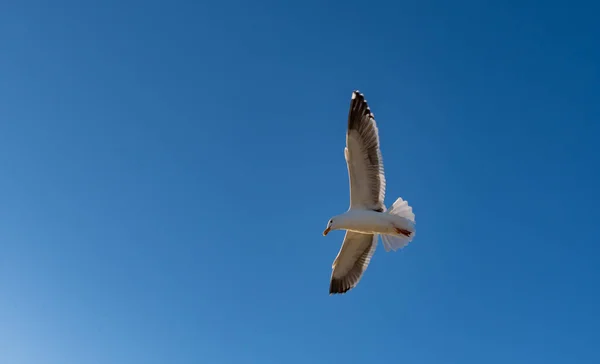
330,226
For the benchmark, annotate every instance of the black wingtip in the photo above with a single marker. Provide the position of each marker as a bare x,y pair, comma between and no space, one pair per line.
359,108
359,98
337,286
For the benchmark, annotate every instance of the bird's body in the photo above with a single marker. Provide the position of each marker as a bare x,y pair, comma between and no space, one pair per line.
372,222
367,217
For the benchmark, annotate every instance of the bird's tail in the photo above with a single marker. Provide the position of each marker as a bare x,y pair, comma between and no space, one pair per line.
405,225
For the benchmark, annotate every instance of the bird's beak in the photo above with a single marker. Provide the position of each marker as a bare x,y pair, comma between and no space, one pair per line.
326,231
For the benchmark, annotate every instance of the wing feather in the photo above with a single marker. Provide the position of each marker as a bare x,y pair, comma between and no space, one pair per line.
352,261
363,157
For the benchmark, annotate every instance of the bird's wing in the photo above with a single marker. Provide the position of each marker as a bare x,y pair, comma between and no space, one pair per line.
363,157
352,261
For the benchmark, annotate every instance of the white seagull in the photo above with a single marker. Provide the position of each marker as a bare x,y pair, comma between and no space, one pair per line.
367,217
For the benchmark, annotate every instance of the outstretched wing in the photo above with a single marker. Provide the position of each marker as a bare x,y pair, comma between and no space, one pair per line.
352,261
363,157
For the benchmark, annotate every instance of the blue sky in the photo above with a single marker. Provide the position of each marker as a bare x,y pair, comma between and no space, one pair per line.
168,169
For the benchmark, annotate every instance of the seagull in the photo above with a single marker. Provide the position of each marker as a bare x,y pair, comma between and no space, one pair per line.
367,217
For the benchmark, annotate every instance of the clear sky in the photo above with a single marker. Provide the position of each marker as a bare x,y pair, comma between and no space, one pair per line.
167,169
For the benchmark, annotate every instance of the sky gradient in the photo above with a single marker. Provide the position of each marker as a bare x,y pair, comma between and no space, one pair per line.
168,169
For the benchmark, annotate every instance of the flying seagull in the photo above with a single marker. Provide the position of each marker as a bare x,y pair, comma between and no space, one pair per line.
367,217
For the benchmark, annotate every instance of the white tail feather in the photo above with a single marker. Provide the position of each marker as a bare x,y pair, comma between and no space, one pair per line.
401,208
394,242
